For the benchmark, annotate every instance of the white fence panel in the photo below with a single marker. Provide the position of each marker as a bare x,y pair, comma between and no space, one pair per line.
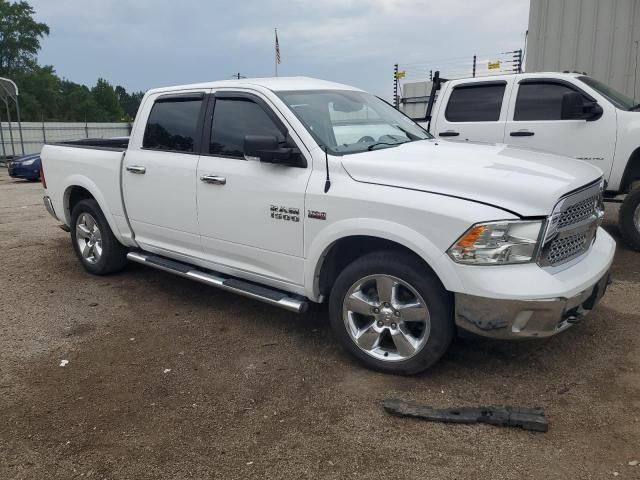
36,134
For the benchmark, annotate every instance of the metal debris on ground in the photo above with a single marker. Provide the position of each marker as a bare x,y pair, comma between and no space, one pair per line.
503,416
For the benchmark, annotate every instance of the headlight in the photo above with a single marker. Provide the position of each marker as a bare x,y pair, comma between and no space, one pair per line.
498,243
29,162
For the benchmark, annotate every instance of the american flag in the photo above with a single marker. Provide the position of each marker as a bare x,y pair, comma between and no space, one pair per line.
277,48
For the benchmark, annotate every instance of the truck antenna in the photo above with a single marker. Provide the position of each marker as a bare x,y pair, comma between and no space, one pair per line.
327,183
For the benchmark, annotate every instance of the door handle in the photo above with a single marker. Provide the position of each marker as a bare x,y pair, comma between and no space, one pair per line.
522,133
449,133
214,179
140,170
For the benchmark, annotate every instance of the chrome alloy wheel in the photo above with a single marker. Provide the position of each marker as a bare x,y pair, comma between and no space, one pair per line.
89,238
386,317
636,218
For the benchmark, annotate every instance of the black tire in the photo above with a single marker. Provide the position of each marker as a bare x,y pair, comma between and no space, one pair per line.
626,219
409,270
113,257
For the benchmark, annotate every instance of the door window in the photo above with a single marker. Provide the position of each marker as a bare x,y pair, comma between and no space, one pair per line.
173,125
540,101
233,119
475,103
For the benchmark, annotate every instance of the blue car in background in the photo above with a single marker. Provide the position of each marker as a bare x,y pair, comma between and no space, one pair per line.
26,167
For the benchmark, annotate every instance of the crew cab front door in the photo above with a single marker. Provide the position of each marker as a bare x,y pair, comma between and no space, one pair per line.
535,121
159,174
251,213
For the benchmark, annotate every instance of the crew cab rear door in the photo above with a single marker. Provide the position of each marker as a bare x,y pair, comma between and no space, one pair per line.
473,110
251,213
534,121
159,174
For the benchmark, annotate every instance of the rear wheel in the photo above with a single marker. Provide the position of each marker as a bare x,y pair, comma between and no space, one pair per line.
93,241
629,219
392,313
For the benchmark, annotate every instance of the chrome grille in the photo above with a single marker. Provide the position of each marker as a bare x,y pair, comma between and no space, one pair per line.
566,248
578,212
572,226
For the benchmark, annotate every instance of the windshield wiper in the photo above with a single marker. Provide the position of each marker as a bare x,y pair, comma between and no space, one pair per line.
373,145
635,107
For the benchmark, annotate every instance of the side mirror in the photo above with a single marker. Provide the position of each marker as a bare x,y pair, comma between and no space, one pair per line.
269,149
576,107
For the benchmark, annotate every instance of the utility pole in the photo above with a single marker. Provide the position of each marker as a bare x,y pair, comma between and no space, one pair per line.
635,76
238,76
395,85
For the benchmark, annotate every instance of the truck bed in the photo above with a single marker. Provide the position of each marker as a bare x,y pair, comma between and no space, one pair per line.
118,143
93,165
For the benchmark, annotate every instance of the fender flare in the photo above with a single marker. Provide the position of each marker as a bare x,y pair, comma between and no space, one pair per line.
386,230
92,188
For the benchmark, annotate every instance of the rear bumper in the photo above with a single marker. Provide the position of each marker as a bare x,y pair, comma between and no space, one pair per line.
49,206
512,319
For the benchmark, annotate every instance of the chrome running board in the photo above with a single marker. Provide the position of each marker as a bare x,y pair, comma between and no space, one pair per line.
230,284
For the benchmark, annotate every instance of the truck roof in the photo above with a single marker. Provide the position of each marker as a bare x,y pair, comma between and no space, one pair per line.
272,83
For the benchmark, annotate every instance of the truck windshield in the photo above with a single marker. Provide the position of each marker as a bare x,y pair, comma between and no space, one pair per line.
620,100
347,121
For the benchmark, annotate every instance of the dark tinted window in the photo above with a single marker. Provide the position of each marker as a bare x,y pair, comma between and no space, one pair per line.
480,103
235,118
620,100
540,101
172,125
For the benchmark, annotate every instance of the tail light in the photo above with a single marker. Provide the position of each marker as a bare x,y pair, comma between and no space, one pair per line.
42,179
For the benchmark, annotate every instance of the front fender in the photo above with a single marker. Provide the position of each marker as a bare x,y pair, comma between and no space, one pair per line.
383,229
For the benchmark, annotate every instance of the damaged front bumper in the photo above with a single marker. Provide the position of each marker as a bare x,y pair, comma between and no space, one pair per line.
513,319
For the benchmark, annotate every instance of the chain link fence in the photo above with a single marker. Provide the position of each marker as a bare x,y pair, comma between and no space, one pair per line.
29,137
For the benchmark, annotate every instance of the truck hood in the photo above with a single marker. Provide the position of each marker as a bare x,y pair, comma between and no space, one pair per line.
525,182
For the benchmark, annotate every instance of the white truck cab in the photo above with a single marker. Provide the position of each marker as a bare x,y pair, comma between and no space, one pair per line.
295,190
569,114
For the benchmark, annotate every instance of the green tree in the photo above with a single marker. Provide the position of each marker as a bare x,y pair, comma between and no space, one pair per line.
43,95
105,95
129,102
77,104
20,36
39,92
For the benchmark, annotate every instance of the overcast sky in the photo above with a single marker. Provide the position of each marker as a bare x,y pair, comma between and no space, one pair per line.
142,44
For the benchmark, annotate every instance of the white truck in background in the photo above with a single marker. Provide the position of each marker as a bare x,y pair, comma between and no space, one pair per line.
569,114
295,190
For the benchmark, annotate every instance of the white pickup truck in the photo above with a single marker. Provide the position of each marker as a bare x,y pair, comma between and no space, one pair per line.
294,190
569,114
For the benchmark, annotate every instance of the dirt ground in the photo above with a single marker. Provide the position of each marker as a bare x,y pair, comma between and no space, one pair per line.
167,378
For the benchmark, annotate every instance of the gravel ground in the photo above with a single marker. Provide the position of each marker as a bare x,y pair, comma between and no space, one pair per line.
167,378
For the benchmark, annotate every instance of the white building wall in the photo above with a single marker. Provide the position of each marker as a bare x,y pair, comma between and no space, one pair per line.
594,36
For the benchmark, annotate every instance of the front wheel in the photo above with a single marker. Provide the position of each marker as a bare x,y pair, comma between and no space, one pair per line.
629,219
392,313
